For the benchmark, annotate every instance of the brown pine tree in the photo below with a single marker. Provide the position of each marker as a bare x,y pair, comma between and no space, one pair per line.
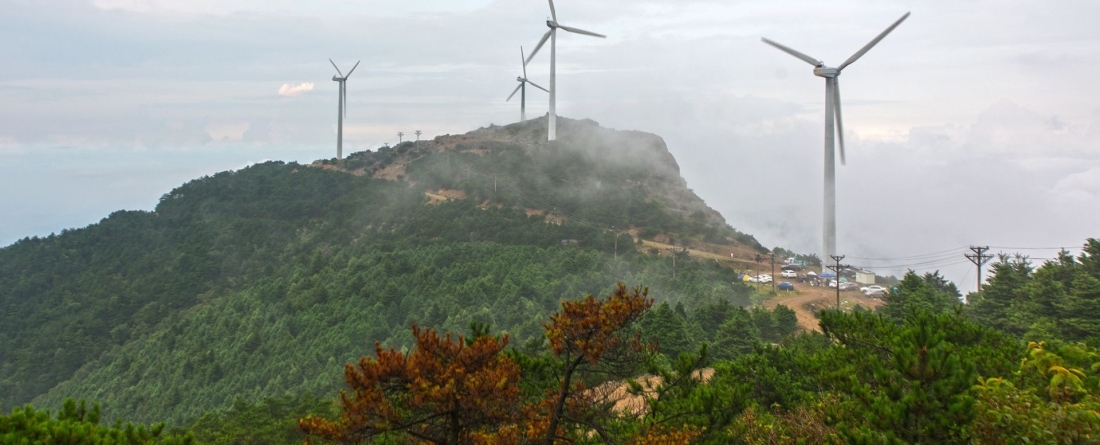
444,392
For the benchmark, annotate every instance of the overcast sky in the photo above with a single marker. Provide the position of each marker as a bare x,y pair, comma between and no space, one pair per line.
974,122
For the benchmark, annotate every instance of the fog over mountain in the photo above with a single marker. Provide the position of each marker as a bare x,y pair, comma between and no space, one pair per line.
972,123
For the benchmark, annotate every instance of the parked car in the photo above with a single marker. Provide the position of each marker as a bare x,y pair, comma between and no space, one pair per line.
876,294
874,288
792,267
786,285
848,285
788,274
764,278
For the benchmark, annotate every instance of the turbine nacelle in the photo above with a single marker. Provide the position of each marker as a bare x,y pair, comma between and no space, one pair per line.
520,79
824,71
551,24
337,79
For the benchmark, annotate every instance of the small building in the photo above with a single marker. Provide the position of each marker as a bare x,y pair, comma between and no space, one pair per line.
865,277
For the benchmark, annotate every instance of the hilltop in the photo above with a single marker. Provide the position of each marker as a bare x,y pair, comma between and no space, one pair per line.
261,282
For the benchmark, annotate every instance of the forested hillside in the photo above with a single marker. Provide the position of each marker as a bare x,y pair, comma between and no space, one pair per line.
246,309
259,282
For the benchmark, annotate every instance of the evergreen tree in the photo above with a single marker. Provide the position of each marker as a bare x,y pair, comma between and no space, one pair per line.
916,293
786,321
765,324
664,326
736,336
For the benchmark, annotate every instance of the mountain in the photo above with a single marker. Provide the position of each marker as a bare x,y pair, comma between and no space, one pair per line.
263,281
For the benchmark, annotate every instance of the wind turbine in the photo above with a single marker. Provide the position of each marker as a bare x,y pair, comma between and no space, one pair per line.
523,87
552,34
342,110
832,103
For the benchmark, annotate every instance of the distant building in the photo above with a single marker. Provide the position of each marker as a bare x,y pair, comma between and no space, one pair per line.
569,242
865,277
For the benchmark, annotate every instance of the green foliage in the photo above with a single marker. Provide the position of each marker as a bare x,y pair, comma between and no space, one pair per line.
273,421
77,425
736,336
910,380
1059,300
921,293
667,329
786,321
1053,402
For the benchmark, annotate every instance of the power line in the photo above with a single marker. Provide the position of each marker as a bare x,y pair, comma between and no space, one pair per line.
949,251
1029,248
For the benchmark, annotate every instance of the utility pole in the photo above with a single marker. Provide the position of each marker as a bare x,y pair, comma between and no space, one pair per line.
616,242
673,250
836,270
979,258
773,272
400,134
417,137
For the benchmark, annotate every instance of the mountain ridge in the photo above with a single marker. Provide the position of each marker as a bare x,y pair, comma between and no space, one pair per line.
167,314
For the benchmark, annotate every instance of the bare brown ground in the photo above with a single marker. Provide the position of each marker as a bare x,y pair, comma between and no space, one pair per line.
444,195
805,300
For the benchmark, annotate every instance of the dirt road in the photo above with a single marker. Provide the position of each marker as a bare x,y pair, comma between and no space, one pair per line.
806,300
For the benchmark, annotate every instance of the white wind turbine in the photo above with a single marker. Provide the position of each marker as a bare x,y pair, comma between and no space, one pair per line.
523,88
552,34
342,109
832,103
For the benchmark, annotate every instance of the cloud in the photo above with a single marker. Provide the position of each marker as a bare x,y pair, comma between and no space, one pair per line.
294,90
8,145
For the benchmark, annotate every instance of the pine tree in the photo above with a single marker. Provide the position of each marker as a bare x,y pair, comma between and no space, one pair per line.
737,336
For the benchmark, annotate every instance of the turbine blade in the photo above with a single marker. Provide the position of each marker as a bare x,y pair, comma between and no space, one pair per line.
513,92
523,61
874,42
839,119
353,69
781,47
545,37
581,31
537,86
337,68
553,13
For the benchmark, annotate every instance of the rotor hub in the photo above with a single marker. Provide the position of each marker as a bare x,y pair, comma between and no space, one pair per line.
551,24
824,71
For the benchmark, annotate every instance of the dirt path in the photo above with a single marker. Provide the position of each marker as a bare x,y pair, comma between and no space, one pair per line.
807,300
739,260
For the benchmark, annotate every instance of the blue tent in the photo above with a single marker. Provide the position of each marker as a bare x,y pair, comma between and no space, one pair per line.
827,275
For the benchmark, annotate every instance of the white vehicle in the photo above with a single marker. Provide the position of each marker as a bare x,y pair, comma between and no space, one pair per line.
789,274
873,289
764,278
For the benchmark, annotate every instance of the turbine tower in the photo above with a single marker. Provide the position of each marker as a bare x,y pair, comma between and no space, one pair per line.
523,88
832,103
552,34
342,109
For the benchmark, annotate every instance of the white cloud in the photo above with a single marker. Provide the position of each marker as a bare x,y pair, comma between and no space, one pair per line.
294,90
1081,184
